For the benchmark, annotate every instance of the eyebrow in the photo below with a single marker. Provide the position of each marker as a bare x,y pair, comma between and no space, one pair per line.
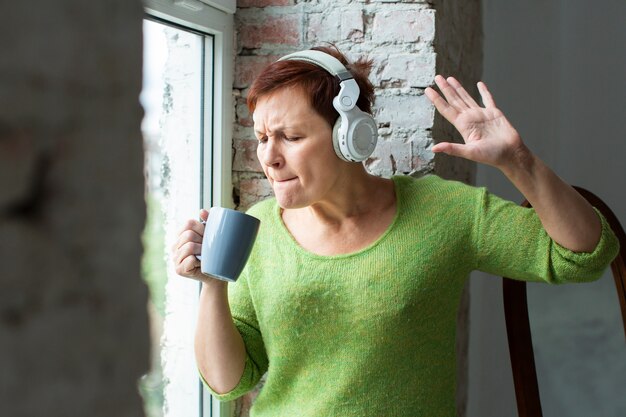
279,129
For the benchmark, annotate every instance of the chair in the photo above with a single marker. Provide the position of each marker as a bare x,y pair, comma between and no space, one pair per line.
518,325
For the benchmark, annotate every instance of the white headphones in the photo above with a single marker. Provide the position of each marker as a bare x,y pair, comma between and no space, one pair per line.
355,132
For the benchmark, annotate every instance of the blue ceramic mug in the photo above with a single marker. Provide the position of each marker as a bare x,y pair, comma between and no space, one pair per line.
228,240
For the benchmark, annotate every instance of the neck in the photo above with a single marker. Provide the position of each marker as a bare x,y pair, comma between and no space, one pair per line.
355,195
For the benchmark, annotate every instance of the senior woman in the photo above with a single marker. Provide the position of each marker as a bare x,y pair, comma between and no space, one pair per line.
350,296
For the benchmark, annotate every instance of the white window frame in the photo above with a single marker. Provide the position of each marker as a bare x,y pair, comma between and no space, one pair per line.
214,17
218,23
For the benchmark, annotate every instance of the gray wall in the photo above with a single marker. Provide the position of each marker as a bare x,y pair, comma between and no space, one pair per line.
558,70
73,319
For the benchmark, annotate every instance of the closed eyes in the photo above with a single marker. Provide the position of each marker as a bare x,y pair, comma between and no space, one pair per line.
263,138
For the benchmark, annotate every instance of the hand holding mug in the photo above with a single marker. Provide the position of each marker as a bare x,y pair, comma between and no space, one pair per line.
189,244
224,245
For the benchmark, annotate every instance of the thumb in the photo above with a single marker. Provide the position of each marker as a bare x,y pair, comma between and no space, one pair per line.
454,149
204,214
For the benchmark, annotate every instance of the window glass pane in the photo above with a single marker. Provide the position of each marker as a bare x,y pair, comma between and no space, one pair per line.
172,98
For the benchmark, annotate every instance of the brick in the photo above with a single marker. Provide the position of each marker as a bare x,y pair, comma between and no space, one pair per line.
263,3
389,158
243,132
401,1
412,70
253,190
323,27
247,67
245,159
273,30
404,26
404,111
421,155
244,118
335,26
352,25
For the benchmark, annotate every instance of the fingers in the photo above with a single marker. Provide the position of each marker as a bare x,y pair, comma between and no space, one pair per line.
488,100
456,99
188,266
185,262
185,237
188,244
204,214
457,96
450,93
441,105
464,95
454,149
194,225
186,252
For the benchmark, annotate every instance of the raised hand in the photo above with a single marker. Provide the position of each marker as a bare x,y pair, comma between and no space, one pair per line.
488,135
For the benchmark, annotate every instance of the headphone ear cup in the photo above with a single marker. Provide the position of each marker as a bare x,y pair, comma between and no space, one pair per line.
336,139
363,136
355,141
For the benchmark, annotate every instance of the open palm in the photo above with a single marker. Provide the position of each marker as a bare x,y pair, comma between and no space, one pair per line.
489,137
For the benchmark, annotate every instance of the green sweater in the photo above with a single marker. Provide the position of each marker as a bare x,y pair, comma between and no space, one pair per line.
372,333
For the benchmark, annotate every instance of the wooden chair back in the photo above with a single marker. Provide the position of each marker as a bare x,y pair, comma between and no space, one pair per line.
518,325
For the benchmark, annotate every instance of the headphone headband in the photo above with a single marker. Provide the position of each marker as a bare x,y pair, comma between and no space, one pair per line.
321,59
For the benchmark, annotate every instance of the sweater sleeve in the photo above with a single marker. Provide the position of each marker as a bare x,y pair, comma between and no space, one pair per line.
244,317
511,241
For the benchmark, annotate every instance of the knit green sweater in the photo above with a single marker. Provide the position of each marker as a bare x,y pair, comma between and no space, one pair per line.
372,333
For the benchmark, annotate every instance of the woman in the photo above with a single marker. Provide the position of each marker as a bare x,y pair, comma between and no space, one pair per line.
350,296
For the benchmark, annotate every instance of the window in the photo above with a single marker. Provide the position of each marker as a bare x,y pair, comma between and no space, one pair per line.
187,137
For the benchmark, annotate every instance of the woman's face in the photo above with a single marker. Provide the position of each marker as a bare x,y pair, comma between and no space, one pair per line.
295,148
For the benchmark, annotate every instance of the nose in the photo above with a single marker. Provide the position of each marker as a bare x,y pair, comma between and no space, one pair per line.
270,154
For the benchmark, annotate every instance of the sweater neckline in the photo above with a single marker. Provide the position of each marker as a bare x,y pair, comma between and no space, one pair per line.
293,243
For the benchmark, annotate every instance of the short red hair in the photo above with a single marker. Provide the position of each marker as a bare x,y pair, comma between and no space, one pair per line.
317,83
